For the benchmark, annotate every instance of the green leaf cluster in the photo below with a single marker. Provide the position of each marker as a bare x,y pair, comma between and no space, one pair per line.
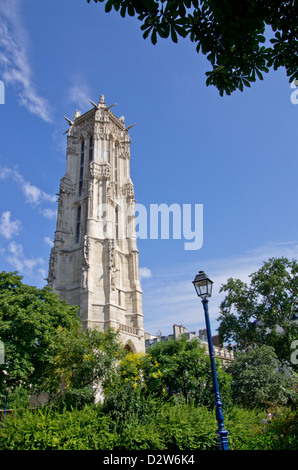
242,39
258,379
46,349
280,434
29,319
263,312
184,372
170,427
84,362
49,429
176,371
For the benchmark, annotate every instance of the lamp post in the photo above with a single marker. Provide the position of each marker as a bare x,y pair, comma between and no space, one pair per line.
203,286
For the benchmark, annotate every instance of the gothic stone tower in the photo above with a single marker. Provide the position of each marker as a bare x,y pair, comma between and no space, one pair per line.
94,261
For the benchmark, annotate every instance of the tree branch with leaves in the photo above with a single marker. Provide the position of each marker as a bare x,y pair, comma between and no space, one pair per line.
264,312
242,39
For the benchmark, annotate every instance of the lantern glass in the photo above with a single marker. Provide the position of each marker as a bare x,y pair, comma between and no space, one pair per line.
203,285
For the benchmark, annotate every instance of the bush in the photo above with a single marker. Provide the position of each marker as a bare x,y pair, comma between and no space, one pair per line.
47,429
186,427
280,434
125,401
139,436
167,427
258,377
242,426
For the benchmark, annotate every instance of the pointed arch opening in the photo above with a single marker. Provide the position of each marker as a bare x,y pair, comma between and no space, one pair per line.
130,347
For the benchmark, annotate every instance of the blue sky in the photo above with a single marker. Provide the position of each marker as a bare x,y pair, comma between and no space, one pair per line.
235,155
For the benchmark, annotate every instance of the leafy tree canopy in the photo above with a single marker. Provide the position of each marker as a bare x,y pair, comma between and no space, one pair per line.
176,371
29,318
241,38
84,361
179,367
45,345
258,380
264,312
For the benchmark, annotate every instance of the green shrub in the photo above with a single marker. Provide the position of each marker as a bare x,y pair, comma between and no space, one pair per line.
166,427
19,397
187,427
280,434
47,429
139,436
128,400
242,426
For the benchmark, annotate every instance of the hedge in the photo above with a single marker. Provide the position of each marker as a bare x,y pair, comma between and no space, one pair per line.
170,427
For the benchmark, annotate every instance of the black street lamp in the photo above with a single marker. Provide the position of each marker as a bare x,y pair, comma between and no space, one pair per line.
203,286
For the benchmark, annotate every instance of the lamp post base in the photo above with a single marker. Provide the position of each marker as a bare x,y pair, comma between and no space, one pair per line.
222,438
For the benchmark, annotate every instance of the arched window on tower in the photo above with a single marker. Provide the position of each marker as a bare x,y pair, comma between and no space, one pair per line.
129,347
108,149
91,148
81,167
116,226
116,168
78,224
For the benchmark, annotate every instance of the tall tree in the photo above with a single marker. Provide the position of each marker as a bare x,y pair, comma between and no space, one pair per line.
241,38
176,369
179,367
84,361
29,318
259,381
46,347
265,311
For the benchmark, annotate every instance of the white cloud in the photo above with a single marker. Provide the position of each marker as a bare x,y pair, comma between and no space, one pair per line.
4,173
49,213
9,227
145,273
16,69
42,273
33,194
48,241
19,261
78,93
